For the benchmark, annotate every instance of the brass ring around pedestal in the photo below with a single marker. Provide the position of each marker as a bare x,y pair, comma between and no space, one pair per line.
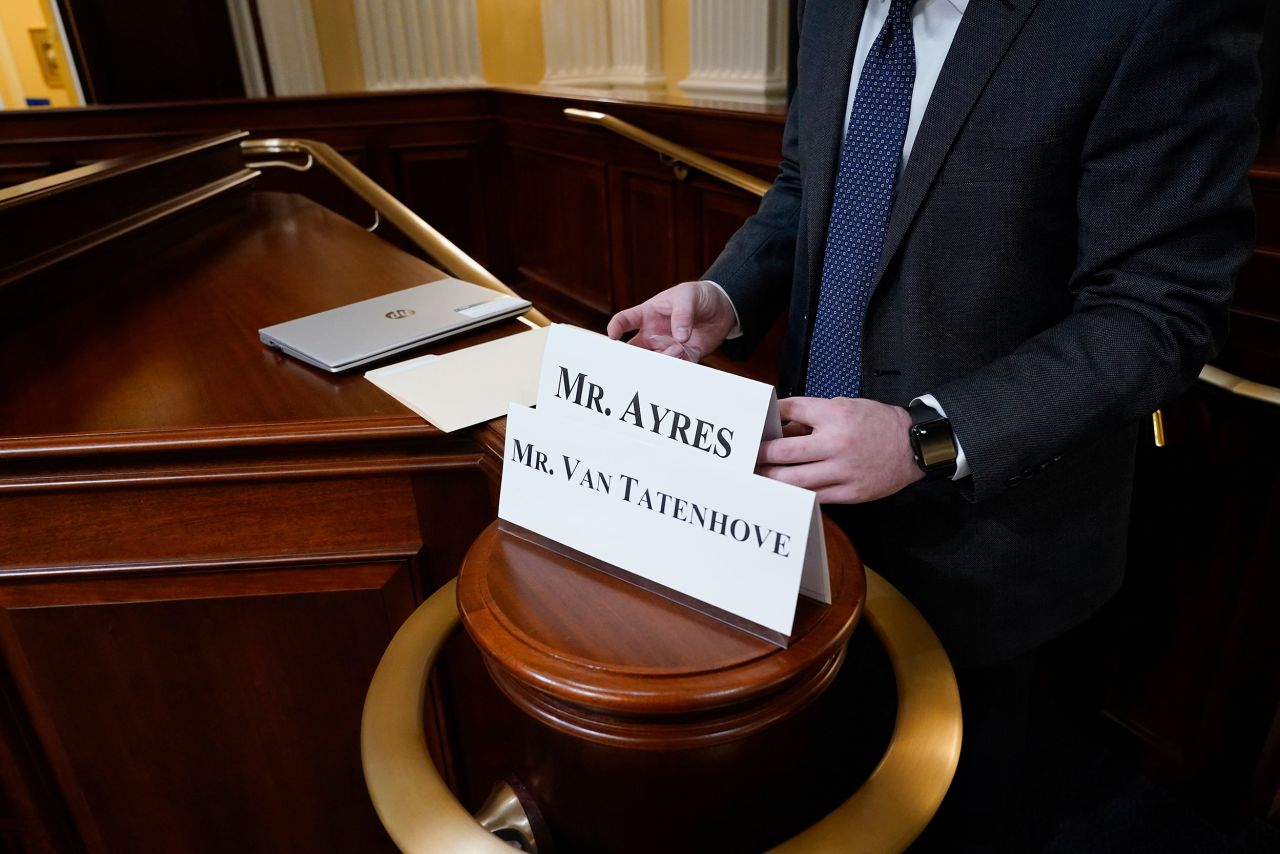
882,817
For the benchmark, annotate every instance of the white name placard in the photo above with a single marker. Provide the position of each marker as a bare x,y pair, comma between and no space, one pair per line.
736,541
689,410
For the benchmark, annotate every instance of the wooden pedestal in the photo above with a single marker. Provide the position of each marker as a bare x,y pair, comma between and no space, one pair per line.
658,728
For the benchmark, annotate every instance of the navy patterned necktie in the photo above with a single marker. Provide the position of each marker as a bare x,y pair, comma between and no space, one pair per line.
860,207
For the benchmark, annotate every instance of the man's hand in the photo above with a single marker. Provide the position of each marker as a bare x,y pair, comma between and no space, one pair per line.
686,321
847,450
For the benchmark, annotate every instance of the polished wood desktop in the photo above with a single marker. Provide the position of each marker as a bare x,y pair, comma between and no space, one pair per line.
205,545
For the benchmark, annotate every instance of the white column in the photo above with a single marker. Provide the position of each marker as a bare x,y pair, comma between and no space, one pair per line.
576,43
247,48
419,44
293,52
635,40
737,50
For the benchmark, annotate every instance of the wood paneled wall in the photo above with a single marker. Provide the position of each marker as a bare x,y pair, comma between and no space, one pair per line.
583,221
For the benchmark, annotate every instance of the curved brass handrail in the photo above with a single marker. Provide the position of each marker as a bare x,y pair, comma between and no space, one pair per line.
676,152
411,799
1239,386
889,810
886,813
1228,382
441,250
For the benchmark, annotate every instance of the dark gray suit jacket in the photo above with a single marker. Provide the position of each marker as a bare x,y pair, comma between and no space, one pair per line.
1059,262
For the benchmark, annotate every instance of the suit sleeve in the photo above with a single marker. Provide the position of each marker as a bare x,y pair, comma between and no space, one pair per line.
1164,225
757,264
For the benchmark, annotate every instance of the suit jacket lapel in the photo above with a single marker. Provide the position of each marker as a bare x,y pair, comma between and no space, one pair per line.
986,31
832,28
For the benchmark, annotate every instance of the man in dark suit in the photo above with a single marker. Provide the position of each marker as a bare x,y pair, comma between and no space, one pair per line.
1015,225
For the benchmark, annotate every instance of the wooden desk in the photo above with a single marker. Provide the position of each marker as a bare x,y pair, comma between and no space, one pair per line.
205,546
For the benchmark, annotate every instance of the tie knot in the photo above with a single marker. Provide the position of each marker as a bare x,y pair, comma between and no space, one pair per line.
898,23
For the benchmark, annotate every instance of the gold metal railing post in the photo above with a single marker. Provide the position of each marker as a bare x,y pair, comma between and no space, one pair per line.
440,249
1231,384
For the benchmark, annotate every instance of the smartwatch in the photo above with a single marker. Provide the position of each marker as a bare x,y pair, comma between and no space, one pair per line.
932,442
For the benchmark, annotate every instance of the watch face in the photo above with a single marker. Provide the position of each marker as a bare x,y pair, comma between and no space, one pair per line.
934,445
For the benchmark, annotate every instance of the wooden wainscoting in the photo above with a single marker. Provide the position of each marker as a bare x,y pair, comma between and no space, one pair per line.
582,221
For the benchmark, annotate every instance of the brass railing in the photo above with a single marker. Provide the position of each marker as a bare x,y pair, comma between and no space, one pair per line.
439,248
1213,376
1240,386
677,154
883,816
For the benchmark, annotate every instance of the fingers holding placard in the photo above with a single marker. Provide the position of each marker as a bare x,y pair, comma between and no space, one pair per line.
847,450
686,321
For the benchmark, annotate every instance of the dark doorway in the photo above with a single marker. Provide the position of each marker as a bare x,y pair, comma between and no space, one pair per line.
153,50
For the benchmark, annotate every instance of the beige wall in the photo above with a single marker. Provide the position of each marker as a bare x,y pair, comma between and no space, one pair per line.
675,43
17,18
11,93
339,45
510,42
510,46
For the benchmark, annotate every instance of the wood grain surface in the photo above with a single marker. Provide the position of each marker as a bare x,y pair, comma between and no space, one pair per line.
591,654
205,545
172,344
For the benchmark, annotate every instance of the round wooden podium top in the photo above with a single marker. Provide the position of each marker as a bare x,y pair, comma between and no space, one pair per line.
609,661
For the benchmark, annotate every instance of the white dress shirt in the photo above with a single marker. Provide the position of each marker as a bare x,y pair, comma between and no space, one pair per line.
933,27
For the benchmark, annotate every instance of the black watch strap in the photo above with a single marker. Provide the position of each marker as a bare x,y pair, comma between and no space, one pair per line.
933,443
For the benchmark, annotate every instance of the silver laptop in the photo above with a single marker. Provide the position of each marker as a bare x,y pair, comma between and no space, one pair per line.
365,331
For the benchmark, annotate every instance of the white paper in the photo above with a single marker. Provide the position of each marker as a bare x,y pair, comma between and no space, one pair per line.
467,386
693,411
632,504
